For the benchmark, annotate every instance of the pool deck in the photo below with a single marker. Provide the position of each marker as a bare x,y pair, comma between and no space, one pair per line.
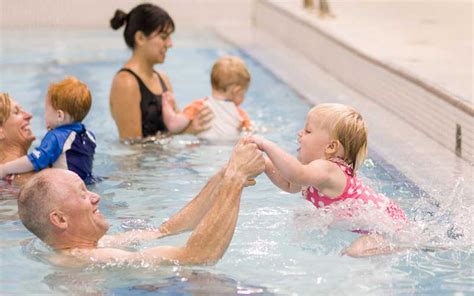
434,168
432,40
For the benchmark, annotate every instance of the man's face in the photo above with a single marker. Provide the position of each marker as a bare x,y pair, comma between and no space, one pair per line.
81,209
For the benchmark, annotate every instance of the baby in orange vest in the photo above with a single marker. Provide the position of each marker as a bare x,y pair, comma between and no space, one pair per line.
230,80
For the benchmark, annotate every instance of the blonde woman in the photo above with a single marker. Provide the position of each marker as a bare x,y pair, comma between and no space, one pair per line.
16,136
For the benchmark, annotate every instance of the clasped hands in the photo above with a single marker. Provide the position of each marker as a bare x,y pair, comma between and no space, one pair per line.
246,161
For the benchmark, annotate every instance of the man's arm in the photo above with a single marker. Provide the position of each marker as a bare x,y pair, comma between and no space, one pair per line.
186,219
213,234
207,243
189,216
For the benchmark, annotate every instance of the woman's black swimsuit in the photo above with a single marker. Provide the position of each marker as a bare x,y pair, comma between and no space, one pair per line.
150,107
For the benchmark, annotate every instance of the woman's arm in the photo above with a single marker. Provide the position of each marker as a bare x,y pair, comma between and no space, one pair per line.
125,106
201,121
17,166
175,122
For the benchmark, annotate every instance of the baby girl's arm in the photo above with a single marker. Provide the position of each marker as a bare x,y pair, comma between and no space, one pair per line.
175,122
278,180
17,166
315,173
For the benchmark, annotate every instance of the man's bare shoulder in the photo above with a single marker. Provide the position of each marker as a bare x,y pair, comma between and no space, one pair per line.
77,258
129,237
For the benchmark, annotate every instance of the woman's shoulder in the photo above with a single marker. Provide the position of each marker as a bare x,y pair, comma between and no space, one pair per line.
125,78
124,85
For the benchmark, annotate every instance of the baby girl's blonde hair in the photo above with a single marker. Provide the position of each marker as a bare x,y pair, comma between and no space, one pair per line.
5,106
227,71
347,126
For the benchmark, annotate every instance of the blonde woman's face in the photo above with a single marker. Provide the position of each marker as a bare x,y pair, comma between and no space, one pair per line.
16,129
313,139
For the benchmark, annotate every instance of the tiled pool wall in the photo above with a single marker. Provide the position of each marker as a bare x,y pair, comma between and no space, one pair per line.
432,110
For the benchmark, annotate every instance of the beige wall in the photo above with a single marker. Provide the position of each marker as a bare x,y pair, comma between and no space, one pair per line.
424,106
96,13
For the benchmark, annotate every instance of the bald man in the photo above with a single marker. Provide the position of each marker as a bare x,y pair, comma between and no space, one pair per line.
57,207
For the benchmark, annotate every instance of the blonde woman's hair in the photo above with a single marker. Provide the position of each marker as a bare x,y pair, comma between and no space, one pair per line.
5,107
347,126
227,71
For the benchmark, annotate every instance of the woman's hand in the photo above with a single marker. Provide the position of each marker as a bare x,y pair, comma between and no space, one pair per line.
201,122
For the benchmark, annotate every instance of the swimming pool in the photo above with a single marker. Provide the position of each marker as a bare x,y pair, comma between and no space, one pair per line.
277,248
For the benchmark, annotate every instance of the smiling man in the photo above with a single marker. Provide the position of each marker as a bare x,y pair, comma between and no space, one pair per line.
57,207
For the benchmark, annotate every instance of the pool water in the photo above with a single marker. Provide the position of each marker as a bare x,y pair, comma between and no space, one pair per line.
278,246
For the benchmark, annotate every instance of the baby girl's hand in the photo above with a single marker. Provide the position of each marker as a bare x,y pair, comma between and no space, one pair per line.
3,174
256,140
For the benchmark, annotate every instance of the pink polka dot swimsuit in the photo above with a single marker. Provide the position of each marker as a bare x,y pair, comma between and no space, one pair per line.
356,195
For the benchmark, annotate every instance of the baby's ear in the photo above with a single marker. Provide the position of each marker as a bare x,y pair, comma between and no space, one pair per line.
333,147
64,116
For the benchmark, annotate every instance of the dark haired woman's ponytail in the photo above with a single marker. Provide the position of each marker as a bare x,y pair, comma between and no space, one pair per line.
118,20
146,18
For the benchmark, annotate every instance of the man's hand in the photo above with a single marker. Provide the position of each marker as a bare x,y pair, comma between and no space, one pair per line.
259,141
246,161
202,121
250,182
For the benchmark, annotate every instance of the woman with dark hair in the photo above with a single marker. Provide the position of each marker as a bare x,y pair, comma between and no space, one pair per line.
137,89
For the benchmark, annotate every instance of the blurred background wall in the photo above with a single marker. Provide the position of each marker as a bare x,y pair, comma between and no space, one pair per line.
97,13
